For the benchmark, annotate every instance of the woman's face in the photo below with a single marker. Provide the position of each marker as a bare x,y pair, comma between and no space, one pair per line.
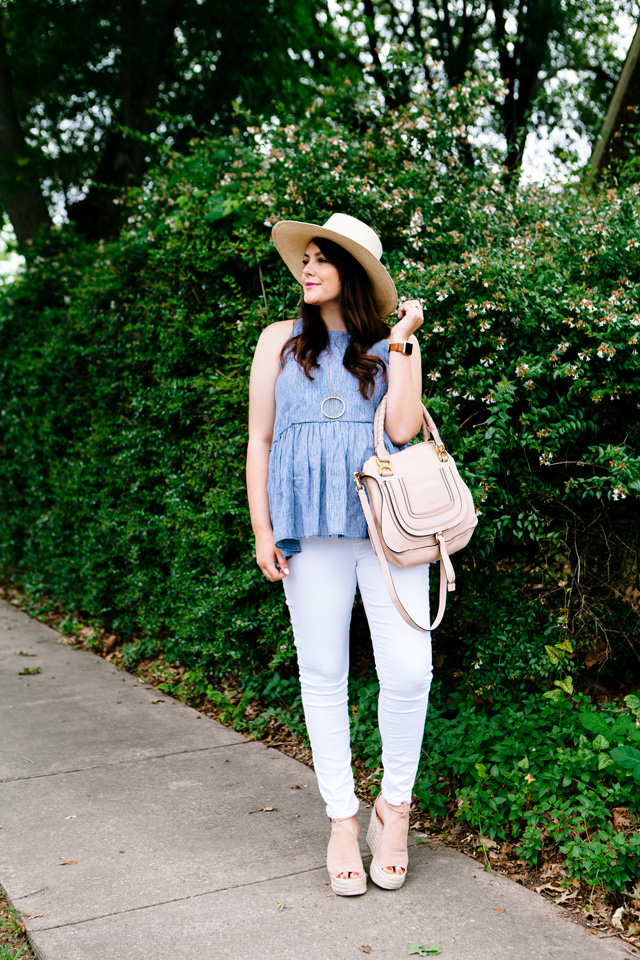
320,279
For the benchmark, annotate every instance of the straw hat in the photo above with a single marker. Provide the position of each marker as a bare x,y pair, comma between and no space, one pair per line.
292,238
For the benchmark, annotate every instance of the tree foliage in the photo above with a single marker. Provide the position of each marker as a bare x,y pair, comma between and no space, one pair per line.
78,130
557,60
73,131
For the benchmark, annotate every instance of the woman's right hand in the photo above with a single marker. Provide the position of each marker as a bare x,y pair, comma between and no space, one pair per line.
267,555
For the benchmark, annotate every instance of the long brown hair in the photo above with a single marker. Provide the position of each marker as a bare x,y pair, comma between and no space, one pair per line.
360,315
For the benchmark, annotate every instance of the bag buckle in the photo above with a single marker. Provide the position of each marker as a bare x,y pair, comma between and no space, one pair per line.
384,465
443,456
359,486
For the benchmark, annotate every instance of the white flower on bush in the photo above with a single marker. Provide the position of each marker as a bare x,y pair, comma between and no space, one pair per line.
606,350
416,223
635,321
618,493
442,295
546,458
438,328
522,369
632,243
434,375
488,361
422,123
529,384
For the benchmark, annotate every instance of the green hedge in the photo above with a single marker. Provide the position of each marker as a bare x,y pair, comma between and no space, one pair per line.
123,372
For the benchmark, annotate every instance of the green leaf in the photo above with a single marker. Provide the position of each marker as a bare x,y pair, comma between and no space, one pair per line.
420,950
554,695
566,685
595,723
552,654
628,758
566,645
633,703
604,761
600,743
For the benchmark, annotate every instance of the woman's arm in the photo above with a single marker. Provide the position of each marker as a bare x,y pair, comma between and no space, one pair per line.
262,412
404,395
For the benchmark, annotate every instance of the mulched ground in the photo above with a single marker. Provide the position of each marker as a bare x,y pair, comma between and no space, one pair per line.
605,914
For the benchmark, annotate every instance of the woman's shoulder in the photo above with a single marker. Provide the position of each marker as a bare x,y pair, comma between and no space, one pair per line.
276,334
278,330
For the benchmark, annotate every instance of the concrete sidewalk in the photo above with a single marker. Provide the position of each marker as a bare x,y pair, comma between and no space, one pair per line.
131,829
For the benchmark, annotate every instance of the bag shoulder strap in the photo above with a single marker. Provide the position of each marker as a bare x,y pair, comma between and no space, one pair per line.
428,429
447,576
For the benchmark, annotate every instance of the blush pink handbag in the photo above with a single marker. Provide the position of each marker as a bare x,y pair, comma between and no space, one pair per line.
417,507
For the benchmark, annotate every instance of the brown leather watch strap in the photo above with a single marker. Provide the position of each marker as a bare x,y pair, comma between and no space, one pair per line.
402,346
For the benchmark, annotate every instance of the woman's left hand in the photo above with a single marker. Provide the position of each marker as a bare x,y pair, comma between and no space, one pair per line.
410,319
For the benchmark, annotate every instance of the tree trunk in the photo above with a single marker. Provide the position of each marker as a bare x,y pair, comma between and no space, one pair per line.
521,70
124,157
20,190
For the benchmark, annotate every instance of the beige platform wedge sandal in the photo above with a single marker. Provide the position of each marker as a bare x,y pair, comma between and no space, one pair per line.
387,840
344,863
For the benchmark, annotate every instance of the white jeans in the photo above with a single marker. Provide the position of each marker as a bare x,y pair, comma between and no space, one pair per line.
320,590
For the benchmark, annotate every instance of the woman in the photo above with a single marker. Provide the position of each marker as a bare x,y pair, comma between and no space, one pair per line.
315,385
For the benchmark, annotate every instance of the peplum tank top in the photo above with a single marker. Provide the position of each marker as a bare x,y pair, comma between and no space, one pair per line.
313,459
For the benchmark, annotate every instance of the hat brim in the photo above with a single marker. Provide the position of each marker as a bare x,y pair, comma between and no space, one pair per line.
292,237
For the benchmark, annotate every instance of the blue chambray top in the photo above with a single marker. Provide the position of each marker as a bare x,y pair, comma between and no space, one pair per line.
313,459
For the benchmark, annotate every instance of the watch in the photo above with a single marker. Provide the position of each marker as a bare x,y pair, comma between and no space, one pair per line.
402,346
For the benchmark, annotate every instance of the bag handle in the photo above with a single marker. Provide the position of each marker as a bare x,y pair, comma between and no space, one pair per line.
428,428
447,575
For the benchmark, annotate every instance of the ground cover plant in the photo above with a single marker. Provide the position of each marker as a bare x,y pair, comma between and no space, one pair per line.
123,371
13,940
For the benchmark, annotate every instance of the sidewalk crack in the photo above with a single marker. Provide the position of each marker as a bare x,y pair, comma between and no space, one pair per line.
163,903
112,763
